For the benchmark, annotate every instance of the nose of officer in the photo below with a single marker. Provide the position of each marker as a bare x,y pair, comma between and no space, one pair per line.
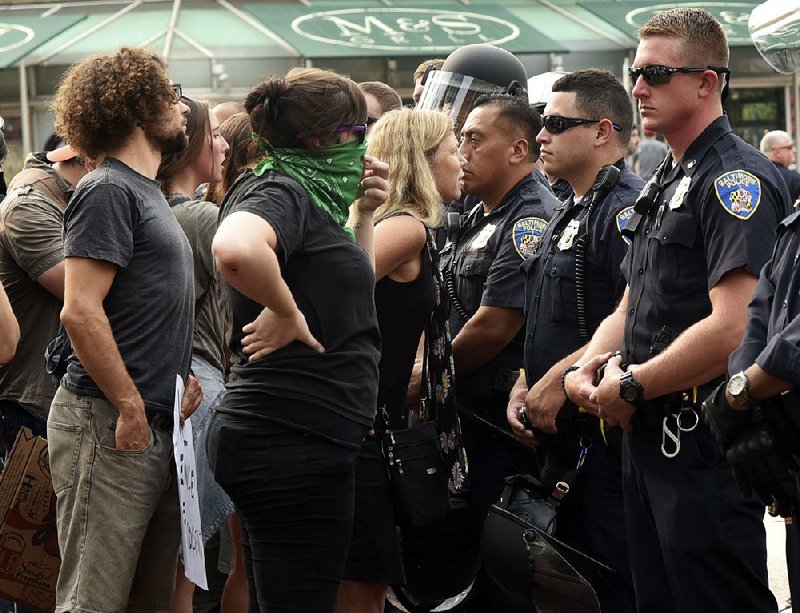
640,88
543,136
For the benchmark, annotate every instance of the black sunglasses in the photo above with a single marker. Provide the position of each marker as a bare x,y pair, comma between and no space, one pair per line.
178,91
656,74
556,124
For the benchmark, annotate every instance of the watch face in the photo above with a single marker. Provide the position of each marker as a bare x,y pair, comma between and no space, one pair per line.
736,385
629,394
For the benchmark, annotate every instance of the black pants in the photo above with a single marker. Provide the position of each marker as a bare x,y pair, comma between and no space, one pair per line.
491,459
696,544
294,492
591,518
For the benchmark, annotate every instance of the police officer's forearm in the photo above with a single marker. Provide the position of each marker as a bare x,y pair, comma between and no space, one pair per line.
485,335
761,385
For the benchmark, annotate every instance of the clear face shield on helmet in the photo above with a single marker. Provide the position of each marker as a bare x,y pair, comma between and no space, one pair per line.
456,94
775,29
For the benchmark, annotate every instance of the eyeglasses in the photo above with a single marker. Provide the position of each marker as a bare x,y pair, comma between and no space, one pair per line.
783,147
556,124
656,74
178,91
360,130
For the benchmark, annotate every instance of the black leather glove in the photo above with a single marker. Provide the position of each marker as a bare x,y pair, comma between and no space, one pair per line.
725,422
763,465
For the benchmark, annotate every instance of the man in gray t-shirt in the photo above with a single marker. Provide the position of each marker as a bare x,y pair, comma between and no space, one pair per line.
650,154
129,312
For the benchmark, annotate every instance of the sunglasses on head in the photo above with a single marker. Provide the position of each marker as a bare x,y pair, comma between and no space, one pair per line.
360,130
656,74
556,124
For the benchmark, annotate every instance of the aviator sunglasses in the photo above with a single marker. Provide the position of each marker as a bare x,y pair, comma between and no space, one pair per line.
556,124
656,74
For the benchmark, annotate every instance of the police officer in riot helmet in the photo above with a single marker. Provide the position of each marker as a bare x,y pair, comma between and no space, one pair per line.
481,267
468,73
703,228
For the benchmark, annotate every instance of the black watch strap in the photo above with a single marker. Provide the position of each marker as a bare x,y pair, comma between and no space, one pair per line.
630,390
567,370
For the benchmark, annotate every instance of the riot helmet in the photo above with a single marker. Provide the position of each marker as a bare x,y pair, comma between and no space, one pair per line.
774,27
467,74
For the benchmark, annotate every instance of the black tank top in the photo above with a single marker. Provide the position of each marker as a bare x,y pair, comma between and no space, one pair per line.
404,309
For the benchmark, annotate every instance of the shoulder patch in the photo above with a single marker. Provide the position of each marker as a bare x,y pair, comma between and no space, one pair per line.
527,235
623,217
739,193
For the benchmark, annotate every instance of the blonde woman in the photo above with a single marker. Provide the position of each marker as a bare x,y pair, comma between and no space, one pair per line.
425,170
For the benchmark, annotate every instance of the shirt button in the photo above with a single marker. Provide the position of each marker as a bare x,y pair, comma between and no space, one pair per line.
647,229
641,271
785,303
631,311
664,237
554,270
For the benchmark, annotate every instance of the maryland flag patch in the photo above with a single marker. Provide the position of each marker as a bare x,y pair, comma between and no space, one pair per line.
527,235
739,193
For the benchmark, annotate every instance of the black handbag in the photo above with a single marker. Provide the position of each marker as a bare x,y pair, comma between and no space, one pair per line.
417,474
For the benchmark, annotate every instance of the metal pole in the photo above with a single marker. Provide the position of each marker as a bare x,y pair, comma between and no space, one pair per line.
796,86
27,137
173,20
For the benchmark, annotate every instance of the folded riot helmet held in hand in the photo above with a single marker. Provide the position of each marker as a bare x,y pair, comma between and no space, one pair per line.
523,557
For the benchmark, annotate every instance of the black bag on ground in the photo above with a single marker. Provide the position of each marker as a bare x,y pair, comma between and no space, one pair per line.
417,474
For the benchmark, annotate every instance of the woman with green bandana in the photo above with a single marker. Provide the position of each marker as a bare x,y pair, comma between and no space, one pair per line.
296,259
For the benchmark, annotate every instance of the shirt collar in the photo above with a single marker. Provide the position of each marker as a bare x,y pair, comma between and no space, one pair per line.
697,150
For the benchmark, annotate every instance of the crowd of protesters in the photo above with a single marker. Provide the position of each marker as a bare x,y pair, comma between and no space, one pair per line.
281,256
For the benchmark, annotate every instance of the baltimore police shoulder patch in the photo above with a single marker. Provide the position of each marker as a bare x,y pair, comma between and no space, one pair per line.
739,193
623,217
527,235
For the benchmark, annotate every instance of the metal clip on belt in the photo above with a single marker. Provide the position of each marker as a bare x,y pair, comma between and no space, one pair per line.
673,435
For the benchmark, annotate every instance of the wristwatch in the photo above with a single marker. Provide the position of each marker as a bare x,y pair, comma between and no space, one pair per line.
630,390
738,391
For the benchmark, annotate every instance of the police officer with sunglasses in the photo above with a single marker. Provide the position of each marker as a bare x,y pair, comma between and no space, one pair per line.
702,229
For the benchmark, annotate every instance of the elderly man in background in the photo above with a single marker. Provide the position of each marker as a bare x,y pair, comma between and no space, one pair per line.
777,145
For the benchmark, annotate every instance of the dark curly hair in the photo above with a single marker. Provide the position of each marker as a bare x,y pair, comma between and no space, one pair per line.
310,101
101,99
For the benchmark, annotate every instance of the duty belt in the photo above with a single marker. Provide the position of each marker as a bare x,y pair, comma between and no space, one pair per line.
675,414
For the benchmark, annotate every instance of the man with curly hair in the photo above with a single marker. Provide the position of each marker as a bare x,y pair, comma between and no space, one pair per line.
128,309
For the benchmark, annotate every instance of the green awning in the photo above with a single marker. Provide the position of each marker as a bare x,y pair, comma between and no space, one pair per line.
199,33
425,29
21,35
630,16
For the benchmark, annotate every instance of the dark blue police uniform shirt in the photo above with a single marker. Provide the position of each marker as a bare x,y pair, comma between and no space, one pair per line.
792,179
483,264
772,337
718,211
551,288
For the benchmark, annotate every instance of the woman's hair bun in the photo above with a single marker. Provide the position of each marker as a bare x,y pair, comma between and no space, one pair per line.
267,94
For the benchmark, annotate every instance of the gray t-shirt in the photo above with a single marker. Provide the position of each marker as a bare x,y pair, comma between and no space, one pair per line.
31,244
650,154
198,219
119,216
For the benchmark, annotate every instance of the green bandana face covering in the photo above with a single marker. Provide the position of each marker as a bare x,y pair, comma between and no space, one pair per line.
330,176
